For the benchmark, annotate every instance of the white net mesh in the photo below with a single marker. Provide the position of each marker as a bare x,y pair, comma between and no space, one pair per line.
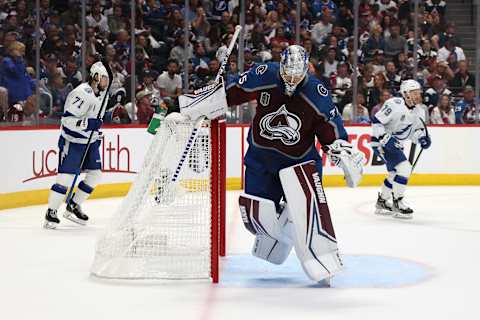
162,229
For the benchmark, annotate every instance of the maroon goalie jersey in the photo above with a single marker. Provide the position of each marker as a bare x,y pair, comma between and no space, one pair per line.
284,126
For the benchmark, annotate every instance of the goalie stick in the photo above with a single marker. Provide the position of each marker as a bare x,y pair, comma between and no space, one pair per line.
199,121
87,146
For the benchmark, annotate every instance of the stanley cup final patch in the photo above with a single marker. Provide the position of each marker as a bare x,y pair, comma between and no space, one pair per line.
264,98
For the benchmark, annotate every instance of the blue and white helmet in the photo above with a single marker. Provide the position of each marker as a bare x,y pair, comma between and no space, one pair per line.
293,67
411,91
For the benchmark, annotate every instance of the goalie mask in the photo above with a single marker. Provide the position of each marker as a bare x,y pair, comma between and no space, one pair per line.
293,67
411,92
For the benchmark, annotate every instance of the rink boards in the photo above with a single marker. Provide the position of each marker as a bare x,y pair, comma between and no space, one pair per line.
29,160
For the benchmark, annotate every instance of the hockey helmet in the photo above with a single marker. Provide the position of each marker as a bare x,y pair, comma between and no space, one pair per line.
98,68
293,67
411,92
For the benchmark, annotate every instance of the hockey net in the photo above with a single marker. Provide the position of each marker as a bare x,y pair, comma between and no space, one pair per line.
168,229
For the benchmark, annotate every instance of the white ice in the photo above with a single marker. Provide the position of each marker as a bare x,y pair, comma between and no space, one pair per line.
426,268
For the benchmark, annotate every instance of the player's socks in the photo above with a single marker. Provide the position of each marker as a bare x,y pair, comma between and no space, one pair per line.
51,219
401,209
75,214
56,196
382,207
386,192
82,193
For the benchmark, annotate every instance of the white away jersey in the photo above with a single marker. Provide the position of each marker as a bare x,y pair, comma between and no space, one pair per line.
81,104
398,120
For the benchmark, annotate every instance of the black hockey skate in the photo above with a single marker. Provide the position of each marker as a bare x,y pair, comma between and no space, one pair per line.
401,210
75,214
382,207
51,219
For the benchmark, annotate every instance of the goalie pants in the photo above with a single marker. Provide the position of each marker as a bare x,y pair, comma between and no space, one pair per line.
262,172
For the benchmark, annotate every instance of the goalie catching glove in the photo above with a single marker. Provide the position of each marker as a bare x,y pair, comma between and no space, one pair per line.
343,155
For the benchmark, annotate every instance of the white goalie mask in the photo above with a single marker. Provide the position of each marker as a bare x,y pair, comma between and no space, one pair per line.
411,92
293,67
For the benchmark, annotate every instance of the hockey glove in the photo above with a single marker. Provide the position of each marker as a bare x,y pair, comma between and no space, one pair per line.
390,143
425,142
343,154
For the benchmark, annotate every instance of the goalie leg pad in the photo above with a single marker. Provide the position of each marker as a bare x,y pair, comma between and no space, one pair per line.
313,234
272,242
270,249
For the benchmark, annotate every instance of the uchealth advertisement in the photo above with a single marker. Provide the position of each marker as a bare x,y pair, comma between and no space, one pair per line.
29,158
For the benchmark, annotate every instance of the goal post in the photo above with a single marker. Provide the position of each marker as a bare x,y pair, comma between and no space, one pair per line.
165,229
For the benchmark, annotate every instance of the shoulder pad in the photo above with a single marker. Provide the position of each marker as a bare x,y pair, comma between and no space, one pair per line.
259,76
315,88
322,90
261,69
319,97
398,100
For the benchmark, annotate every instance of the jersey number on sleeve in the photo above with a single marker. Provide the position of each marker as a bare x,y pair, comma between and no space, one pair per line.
78,101
387,110
243,77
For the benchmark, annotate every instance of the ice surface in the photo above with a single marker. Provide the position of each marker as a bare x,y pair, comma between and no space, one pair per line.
426,268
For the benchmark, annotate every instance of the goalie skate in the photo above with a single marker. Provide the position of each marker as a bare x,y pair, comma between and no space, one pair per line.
75,214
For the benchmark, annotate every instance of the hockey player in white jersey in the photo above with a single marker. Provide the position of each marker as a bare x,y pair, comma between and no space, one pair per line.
78,121
399,120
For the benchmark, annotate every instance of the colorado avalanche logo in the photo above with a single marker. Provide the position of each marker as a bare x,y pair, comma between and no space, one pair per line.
281,125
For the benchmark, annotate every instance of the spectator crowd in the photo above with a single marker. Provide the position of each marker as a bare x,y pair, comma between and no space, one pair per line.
162,48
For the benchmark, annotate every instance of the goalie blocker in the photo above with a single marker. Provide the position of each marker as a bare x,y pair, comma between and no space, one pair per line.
305,222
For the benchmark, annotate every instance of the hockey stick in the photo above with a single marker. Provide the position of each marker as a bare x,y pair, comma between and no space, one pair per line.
99,114
198,123
420,153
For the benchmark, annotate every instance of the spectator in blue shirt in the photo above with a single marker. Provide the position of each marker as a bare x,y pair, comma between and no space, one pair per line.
14,75
465,108
319,5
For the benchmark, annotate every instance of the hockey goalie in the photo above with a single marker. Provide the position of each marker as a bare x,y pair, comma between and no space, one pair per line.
284,204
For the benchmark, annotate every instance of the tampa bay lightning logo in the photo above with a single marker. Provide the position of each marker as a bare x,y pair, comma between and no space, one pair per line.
281,125
261,69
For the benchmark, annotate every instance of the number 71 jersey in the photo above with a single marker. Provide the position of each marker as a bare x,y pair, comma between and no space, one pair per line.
81,104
